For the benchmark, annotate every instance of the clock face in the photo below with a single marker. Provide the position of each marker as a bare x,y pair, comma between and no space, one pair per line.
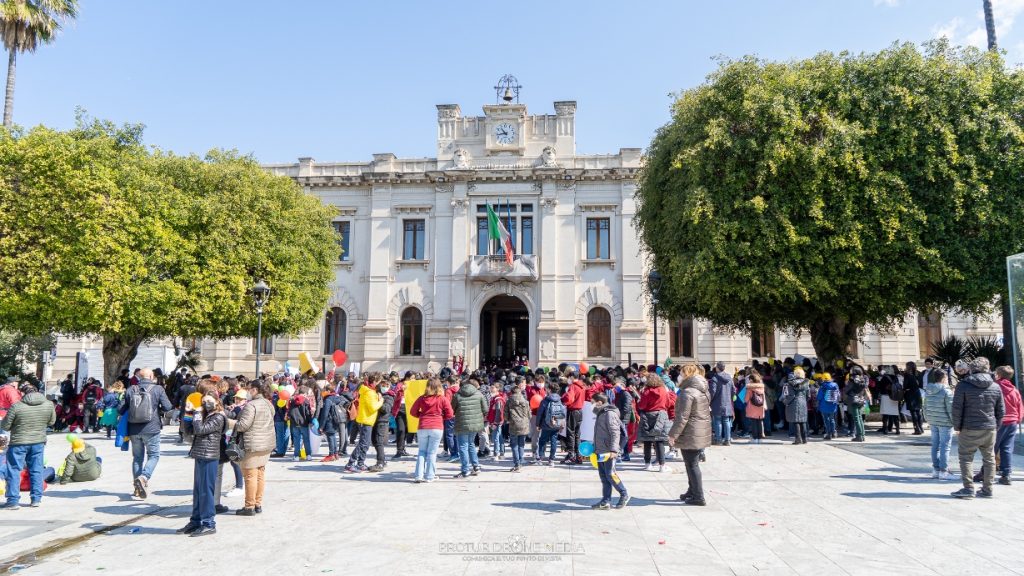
505,133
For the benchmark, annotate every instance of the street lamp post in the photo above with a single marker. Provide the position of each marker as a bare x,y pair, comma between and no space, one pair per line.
654,283
260,295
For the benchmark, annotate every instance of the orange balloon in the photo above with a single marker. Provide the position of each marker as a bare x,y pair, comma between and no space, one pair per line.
284,394
584,368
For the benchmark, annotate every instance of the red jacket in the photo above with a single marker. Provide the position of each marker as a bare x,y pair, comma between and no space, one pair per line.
399,393
496,410
432,412
1011,398
655,398
574,396
9,396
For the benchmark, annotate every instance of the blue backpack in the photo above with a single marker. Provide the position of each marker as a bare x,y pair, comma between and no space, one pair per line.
555,416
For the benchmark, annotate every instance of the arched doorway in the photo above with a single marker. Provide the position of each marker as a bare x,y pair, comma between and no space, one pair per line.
504,330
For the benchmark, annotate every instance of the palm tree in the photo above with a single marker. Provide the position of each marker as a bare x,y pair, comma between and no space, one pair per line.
990,25
24,25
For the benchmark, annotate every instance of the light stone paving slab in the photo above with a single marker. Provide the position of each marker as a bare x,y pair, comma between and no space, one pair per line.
774,509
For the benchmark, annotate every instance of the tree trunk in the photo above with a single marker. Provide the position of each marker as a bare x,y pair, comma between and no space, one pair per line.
118,353
12,61
831,337
990,25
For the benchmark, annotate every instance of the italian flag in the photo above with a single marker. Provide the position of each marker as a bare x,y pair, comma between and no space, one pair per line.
497,231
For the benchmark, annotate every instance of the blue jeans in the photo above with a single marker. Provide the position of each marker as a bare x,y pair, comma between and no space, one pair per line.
830,423
427,442
942,437
1005,436
546,437
281,432
145,449
332,443
518,445
722,428
609,480
467,452
497,441
18,458
449,436
300,437
204,493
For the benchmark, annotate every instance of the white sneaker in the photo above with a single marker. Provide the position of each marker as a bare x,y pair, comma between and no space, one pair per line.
935,474
234,493
648,467
664,468
947,475
670,455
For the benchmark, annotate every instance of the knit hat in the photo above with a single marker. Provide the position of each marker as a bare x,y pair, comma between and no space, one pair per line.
980,364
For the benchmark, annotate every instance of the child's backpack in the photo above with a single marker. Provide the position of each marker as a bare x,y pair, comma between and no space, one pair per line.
555,416
757,398
832,395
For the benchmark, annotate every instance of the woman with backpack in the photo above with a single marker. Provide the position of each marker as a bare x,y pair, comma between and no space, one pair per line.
755,409
656,408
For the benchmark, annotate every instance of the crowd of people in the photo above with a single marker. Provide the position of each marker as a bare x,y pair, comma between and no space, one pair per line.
524,416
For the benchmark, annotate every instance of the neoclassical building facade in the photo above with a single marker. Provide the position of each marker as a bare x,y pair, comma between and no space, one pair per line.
420,281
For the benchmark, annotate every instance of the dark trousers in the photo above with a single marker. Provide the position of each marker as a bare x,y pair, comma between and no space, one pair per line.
204,489
401,429
888,422
756,426
799,432
572,433
659,448
380,441
449,437
915,417
609,479
343,439
362,445
692,460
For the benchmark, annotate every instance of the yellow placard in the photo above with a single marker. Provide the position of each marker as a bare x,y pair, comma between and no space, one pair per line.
306,362
413,390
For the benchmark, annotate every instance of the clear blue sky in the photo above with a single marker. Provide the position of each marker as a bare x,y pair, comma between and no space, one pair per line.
342,80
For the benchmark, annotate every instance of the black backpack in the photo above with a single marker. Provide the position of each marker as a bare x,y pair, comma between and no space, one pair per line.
338,414
896,390
299,415
757,399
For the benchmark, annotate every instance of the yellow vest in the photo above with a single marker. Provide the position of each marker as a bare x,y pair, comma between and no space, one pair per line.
370,402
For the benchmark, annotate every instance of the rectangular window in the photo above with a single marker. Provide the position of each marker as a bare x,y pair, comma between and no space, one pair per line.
762,343
598,239
266,346
482,244
681,338
526,244
415,239
344,229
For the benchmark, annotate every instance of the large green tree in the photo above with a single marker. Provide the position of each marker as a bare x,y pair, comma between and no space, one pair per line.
838,191
24,25
100,235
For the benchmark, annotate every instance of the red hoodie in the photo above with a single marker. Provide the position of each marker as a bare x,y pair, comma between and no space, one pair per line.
655,398
1011,398
574,396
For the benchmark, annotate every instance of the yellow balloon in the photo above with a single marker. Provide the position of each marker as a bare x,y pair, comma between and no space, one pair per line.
593,459
281,403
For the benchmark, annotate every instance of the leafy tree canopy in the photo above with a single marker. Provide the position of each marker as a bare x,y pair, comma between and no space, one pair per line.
100,235
828,193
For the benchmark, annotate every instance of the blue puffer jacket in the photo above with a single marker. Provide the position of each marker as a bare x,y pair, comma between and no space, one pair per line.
722,391
824,406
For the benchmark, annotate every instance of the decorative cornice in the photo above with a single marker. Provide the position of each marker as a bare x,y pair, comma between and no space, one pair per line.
444,188
418,209
597,207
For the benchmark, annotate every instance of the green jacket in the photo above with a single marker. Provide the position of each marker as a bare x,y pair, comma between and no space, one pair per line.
81,466
28,419
470,409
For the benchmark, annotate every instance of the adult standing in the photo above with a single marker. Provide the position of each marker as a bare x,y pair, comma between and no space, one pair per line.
255,425
26,421
208,425
856,396
939,410
691,429
656,408
722,412
912,397
432,409
891,395
143,403
978,409
625,403
470,408
754,410
795,399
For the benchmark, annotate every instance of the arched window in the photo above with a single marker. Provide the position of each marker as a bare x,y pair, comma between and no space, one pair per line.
599,333
335,325
412,332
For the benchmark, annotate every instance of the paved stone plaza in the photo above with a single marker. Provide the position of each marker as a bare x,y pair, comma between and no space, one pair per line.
822,508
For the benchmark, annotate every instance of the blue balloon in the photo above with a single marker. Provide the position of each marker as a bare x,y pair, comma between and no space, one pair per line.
658,370
586,448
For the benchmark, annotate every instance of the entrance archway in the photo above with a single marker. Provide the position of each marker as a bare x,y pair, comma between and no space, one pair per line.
504,330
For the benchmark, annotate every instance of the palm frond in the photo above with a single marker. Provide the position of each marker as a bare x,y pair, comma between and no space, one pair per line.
985,347
950,349
25,24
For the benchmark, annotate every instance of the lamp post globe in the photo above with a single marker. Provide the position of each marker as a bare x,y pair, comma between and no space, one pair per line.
260,294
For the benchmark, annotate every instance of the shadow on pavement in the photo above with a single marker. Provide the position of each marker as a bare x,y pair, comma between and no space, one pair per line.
172,493
59,493
581,504
910,495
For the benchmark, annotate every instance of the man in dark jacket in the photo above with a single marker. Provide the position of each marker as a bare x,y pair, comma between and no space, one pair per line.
977,411
722,391
624,403
27,422
144,433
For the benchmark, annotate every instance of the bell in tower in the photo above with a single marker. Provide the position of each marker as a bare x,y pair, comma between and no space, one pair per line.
507,89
